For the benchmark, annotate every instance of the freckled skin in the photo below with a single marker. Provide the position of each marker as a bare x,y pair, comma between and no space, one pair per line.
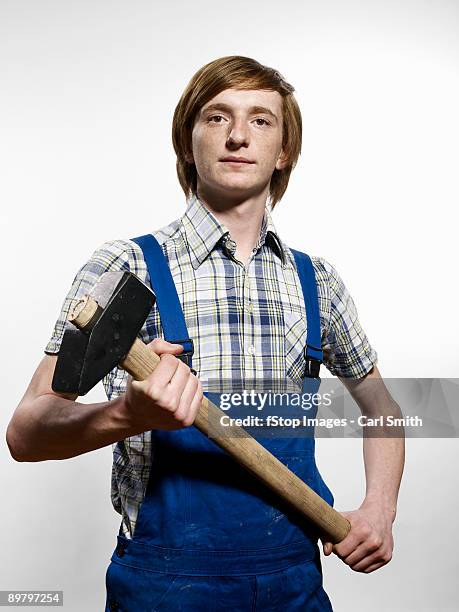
237,130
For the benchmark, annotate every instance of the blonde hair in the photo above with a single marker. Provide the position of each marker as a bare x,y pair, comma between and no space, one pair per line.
235,72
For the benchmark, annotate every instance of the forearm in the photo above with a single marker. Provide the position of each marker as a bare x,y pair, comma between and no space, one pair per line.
52,427
383,445
384,457
370,543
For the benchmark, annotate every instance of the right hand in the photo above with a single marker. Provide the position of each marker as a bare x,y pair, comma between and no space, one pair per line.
170,397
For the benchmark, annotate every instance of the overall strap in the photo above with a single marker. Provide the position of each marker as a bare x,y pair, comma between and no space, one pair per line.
167,299
313,350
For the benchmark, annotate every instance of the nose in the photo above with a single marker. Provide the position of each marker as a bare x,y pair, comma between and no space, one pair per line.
238,134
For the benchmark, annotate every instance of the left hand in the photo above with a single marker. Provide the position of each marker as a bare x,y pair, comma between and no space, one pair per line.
369,544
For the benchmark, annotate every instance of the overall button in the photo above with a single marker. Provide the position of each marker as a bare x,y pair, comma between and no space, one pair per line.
114,606
120,550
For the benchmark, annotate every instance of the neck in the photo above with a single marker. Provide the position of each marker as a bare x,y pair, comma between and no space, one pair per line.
243,218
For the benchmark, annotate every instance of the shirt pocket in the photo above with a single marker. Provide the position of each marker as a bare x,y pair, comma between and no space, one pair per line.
294,344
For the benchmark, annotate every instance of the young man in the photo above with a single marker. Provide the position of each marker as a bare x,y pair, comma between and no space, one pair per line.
195,534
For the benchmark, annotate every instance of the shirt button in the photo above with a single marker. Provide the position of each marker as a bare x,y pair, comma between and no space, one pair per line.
251,350
248,307
229,246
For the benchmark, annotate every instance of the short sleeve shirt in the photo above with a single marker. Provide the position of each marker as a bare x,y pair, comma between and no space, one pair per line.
246,321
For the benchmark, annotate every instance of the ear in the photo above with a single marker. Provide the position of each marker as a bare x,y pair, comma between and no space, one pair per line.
189,157
282,160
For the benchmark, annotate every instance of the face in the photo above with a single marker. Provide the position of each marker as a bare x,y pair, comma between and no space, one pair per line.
237,143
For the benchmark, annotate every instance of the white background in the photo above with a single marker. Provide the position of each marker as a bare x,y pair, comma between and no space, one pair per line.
88,90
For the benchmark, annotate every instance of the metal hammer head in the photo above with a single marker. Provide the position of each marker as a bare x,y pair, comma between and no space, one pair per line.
87,355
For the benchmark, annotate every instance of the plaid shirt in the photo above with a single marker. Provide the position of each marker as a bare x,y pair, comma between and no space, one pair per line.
247,321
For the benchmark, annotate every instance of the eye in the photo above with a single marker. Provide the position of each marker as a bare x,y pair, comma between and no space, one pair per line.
215,119
260,121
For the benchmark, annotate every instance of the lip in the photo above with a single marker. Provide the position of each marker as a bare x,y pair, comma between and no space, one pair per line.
237,160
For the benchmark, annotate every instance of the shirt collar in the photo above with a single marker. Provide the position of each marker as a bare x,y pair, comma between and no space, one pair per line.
268,234
203,231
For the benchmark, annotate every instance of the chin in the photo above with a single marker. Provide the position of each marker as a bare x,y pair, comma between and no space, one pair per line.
236,184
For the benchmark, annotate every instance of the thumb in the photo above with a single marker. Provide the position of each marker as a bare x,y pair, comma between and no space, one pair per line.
160,346
327,548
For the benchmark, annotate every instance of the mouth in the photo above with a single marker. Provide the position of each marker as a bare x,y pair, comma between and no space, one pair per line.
236,160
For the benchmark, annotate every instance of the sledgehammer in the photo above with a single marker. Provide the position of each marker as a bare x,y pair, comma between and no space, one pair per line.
107,323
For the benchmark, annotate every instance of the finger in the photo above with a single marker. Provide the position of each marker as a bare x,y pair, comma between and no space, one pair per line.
338,548
159,379
158,345
173,390
348,546
328,548
381,557
369,564
186,412
180,378
373,567
355,538
197,400
366,562
167,382
363,551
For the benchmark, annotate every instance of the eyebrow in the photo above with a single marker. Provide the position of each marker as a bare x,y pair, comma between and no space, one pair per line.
252,110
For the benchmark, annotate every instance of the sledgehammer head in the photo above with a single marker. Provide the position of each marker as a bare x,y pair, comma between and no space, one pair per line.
87,355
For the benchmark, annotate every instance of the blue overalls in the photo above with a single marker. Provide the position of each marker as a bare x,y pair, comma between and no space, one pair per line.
209,536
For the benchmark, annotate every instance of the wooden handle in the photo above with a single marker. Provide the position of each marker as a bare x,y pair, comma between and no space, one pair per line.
141,362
